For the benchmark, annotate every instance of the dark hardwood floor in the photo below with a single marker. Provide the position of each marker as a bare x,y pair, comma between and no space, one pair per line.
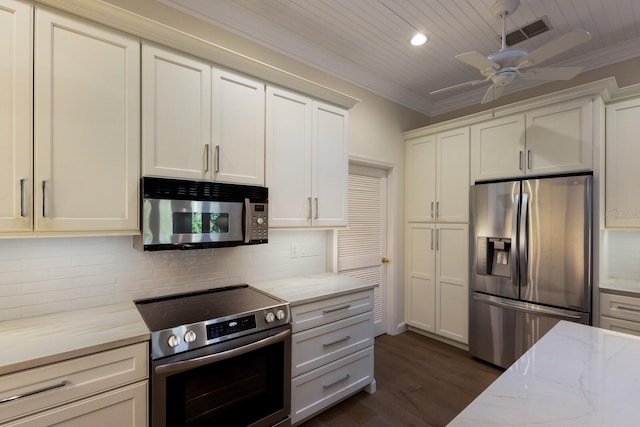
420,382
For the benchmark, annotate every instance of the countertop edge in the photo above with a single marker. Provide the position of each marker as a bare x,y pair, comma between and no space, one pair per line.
331,295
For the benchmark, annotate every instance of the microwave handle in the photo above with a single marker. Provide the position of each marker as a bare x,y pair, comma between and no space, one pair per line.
247,221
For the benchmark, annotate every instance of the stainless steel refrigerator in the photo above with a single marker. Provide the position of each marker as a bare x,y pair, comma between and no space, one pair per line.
530,262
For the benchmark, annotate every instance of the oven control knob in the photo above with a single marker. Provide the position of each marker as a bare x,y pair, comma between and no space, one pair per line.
280,314
189,336
173,341
269,317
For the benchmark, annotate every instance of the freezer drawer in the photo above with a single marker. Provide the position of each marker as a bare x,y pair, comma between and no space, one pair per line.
502,330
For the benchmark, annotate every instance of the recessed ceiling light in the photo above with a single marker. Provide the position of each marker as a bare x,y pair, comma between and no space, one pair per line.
419,39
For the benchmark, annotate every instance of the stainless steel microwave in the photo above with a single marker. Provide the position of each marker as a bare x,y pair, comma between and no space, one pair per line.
183,214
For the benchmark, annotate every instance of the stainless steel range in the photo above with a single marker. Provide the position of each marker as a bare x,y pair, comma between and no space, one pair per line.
219,357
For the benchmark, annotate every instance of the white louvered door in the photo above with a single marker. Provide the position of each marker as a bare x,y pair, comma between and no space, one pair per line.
362,246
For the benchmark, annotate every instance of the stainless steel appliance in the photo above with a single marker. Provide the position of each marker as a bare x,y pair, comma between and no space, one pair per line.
530,262
219,357
182,214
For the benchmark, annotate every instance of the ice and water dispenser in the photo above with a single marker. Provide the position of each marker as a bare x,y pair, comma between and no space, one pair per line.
493,256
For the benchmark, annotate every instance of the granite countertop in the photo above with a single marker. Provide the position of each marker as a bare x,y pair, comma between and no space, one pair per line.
40,340
575,375
304,289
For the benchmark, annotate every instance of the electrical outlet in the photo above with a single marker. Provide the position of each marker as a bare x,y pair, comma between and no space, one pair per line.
294,251
308,249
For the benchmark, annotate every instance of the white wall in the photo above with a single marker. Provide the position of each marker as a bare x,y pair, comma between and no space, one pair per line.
47,275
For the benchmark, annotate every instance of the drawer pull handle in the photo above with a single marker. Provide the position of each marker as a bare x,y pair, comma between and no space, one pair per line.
635,310
346,377
31,393
344,307
347,338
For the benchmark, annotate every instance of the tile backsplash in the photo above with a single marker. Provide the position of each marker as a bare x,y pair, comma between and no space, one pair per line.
623,255
47,275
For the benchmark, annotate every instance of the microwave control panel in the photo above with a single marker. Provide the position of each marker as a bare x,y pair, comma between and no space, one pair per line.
259,223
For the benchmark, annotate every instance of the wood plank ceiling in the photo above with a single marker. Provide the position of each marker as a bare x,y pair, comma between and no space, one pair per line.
367,41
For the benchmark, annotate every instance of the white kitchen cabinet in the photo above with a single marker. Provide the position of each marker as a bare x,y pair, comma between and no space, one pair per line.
87,126
100,389
438,279
332,352
438,177
238,128
622,204
553,139
16,116
620,313
306,161
176,114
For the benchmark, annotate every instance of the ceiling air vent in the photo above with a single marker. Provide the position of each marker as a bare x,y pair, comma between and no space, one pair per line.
527,31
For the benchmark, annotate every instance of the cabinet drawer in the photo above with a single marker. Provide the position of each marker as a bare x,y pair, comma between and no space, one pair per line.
620,306
318,313
318,346
62,382
315,390
123,407
619,325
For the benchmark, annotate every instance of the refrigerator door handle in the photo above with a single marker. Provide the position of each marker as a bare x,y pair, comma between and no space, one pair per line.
514,238
523,243
524,306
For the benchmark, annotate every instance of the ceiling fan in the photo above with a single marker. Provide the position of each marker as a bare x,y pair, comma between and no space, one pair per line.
505,65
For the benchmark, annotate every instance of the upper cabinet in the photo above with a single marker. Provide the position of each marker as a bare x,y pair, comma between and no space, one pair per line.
200,122
622,201
438,177
16,116
547,140
306,161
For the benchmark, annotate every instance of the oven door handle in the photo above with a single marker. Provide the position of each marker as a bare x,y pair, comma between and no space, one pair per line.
184,365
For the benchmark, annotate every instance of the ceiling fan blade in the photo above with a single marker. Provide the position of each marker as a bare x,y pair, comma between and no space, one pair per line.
555,47
471,83
551,73
494,92
477,60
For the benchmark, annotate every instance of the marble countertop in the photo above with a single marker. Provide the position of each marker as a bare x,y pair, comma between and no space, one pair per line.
304,289
621,286
575,375
40,340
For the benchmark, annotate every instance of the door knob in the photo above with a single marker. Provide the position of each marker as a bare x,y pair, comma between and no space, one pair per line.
385,259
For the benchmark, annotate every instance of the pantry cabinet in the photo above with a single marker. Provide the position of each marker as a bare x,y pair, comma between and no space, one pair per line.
622,205
438,177
306,161
87,126
548,140
16,116
438,279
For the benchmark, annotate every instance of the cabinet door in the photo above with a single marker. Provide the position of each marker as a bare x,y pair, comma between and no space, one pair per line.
622,169
452,191
288,158
238,128
452,283
16,180
421,179
176,114
87,126
330,165
498,148
560,138
421,276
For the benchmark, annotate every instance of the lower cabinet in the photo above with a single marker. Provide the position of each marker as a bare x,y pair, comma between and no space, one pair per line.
332,352
620,313
101,389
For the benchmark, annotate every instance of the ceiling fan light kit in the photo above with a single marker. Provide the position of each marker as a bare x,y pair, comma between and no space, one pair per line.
505,65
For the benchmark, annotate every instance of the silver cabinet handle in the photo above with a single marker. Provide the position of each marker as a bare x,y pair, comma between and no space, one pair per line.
22,197
31,393
44,200
316,215
521,167
623,308
432,239
329,344
437,209
333,310
529,159
331,384
431,209
310,209
437,240
217,159
207,159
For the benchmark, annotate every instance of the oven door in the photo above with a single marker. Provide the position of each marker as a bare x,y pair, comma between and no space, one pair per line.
242,382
